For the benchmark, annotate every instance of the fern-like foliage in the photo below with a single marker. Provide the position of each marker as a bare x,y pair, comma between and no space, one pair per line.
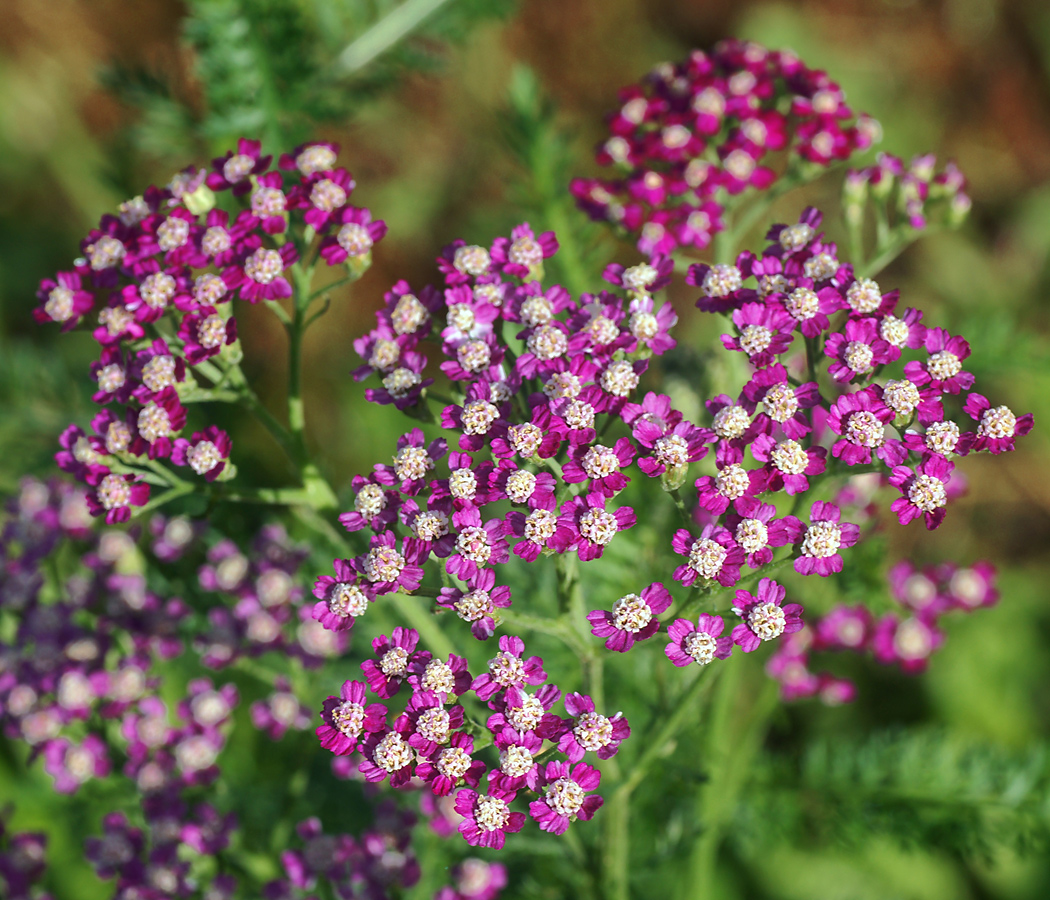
277,68
924,789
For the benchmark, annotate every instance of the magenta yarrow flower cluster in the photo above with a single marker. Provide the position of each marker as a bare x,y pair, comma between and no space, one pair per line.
160,278
693,134
430,740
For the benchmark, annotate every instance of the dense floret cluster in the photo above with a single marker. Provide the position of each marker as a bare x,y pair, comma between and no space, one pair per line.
694,134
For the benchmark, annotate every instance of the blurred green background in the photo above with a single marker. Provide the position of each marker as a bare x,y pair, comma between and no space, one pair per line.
98,99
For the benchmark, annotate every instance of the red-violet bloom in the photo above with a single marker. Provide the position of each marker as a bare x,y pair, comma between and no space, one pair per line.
118,853
479,604
714,556
586,730
857,350
446,679
924,491
997,426
632,618
782,404
114,495
71,765
507,669
451,766
479,419
844,628
111,373
342,599
219,243
478,545
787,464
63,300
412,462
517,765
387,753
861,418
650,329
721,287
523,253
673,447
348,717
402,386
564,798
537,529
756,530
822,539
323,195
429,526
426,724
356,236
600,465
765,333
117,323
586,526
716,492
158,421
941,438
157,367
279,712
206,452
205,332
908,643
643,278
374,506
764,616
942,369
395,654
310,158
233,169
699,642
535,490
475,879
260,272
527,712
487,819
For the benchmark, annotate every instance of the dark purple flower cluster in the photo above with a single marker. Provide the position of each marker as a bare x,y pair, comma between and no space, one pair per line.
433,739
23,864
695,133
807,310
906,637
162,275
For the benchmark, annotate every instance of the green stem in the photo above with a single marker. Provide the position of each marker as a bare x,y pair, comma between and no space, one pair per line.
180,490
384,34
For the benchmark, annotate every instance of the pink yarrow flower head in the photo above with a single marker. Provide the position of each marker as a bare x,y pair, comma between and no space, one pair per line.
857,350
507,669
412,462
206,452
697,642
63,300
587,730
765,617
349,718
389,569
586,526
788,464
387,754
566,796
343,598
259,272
357,233
479,604
997,425
517,764
632,618
783,405
233,170
764,333
205,332
924,491
714,556
478,544
943,367
113,495
487,818
822,539
757,531
451,766
861,418
393,656
523,253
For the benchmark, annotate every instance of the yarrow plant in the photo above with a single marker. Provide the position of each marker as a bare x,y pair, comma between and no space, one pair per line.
550,508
